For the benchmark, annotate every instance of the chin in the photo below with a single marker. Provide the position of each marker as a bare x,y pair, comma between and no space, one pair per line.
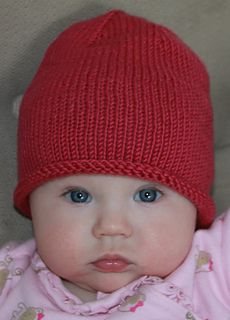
112,283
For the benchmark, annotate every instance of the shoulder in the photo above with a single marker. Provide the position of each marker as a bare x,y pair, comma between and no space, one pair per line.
214,241
17,250
212,277
14,260
211,247
219,229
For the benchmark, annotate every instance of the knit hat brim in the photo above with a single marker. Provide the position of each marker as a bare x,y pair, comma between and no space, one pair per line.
204,203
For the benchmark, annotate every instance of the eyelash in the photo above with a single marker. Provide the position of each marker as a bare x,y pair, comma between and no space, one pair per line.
145,195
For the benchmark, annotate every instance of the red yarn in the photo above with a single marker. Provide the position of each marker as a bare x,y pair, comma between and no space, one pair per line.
119,95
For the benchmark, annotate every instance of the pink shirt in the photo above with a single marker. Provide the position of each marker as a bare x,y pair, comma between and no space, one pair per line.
198,289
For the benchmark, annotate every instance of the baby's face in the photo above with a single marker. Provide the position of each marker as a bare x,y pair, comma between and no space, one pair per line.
101,232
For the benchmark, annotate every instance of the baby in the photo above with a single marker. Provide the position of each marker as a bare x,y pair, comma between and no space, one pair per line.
115,162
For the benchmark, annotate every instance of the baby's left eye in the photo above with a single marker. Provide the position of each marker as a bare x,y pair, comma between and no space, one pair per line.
147,195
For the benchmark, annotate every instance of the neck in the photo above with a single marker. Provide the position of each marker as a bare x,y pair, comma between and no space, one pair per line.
81,293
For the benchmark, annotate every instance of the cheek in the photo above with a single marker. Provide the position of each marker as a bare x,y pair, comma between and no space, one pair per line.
166,243
59,242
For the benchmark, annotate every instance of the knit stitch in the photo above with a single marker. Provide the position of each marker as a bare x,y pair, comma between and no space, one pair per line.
118,95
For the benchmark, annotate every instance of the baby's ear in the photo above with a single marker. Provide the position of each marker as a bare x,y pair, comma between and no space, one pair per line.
16,105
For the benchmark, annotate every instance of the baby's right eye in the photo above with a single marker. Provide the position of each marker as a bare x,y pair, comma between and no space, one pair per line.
78,196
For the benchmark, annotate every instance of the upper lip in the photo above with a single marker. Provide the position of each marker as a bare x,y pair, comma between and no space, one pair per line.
113,257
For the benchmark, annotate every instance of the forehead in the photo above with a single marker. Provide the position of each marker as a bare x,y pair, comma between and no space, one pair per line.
100,180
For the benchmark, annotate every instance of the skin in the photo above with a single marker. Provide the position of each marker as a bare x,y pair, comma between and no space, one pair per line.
154,236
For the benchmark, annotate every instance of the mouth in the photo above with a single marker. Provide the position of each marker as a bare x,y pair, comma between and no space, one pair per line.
112,263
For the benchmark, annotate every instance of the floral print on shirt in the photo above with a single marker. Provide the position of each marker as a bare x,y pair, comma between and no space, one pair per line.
204,262
131,304
30,313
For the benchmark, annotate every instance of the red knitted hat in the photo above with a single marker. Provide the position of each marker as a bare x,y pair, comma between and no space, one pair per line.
118,95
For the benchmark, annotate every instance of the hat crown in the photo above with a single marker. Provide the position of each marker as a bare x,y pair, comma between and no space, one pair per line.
118,94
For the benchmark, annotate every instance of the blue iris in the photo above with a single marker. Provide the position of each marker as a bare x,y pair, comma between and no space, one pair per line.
147,195
78,196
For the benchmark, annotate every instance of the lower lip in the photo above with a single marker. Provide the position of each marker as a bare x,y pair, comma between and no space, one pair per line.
111,265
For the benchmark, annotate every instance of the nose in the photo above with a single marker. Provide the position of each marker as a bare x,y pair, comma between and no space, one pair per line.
112,222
